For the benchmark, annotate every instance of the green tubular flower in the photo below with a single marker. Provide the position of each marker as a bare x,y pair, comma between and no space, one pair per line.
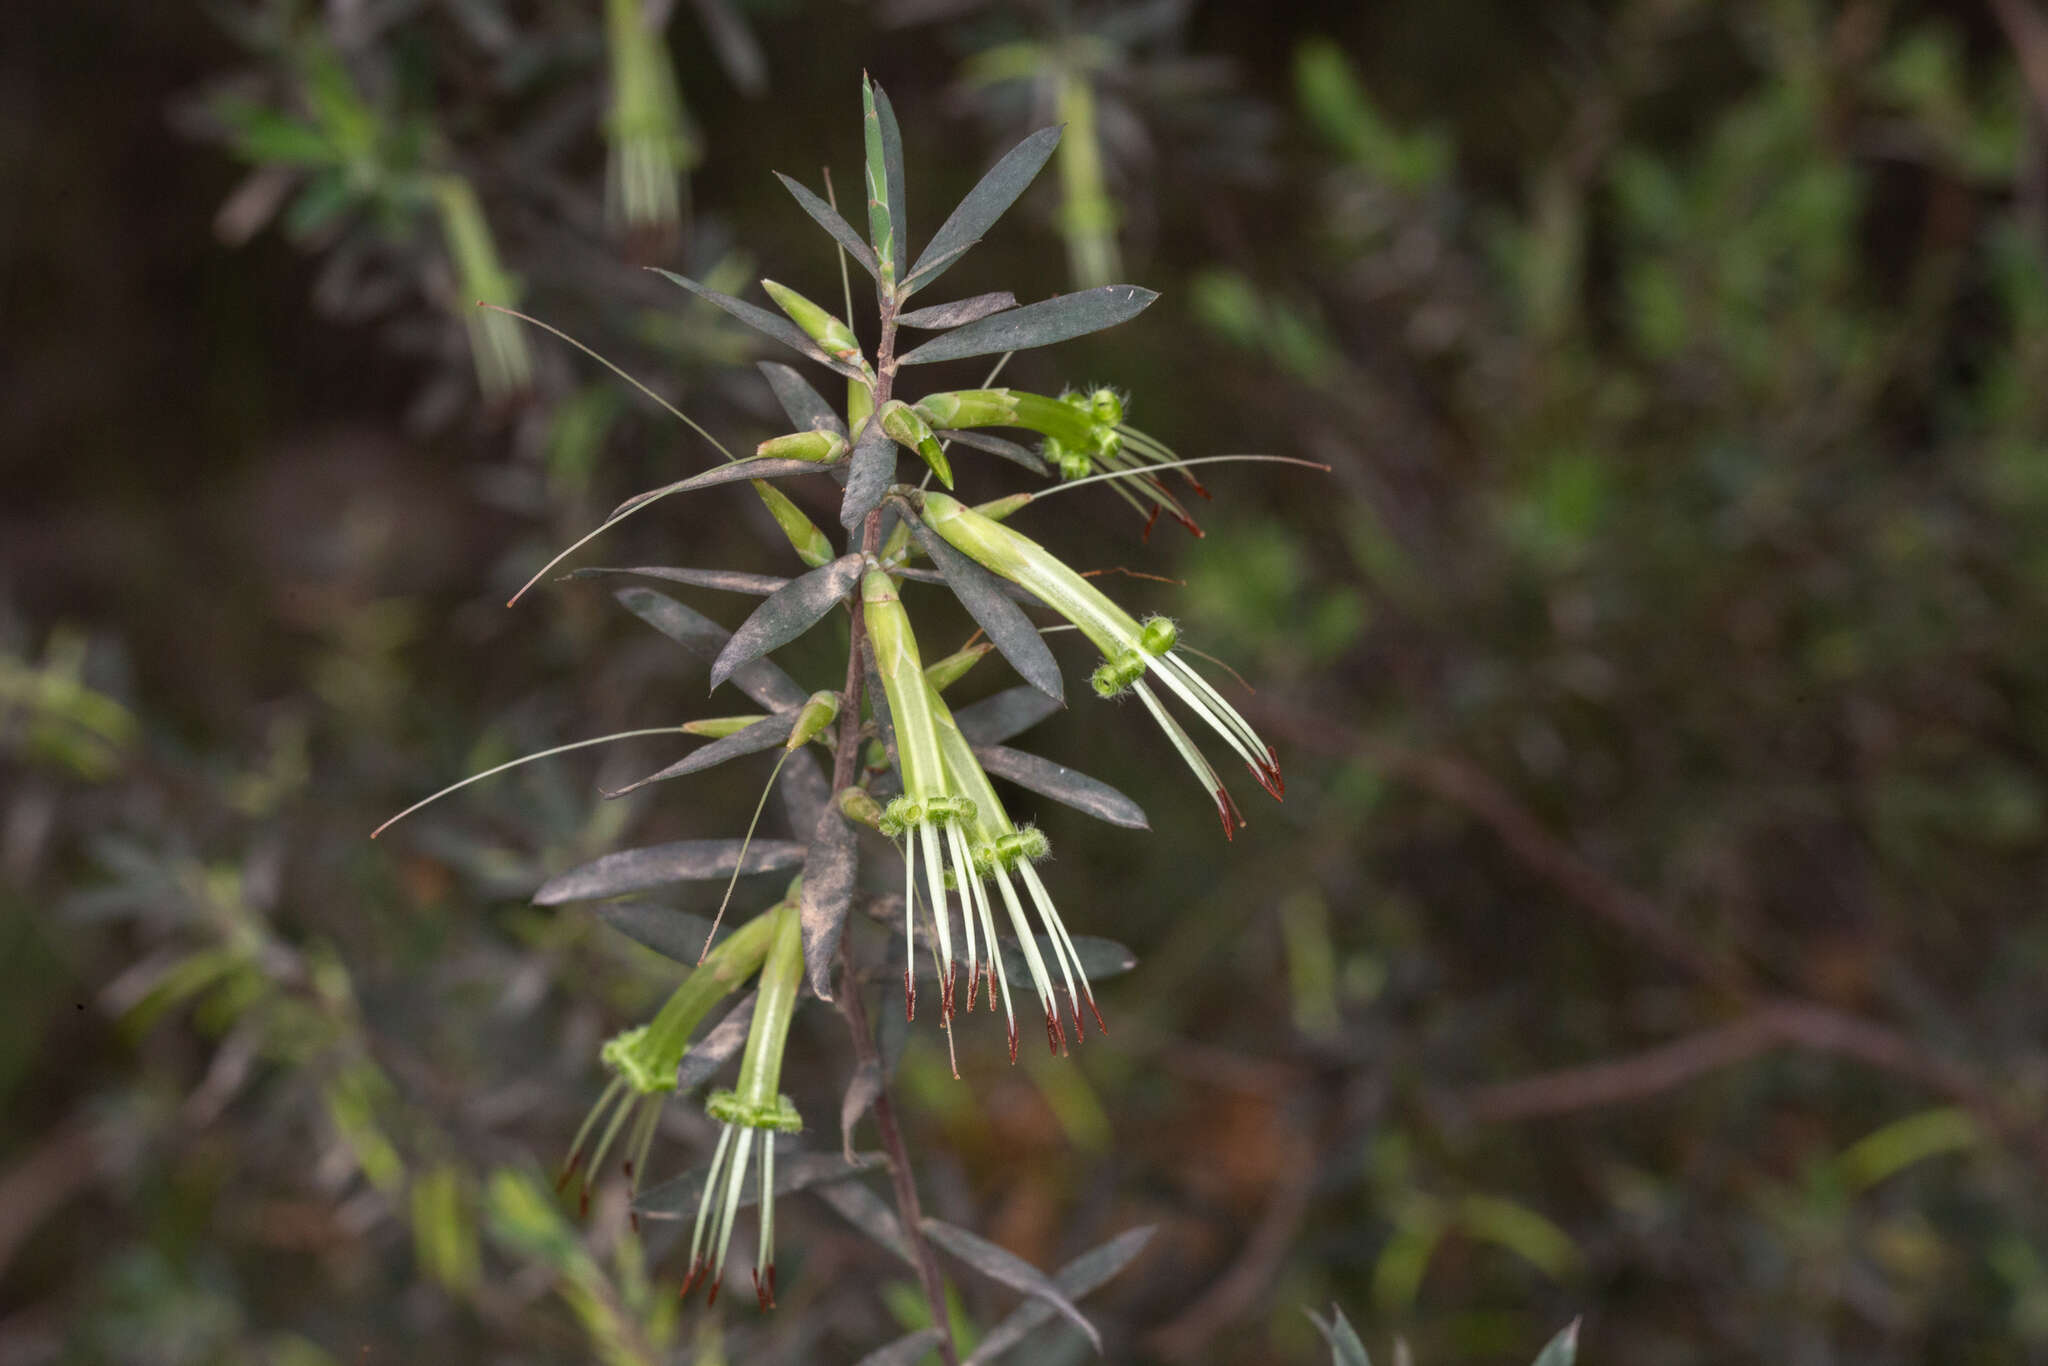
644,1059
650,141
754,1107
930,816
1132,652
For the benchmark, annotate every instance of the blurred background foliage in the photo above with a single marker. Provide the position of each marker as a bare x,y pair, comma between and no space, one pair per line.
1652,928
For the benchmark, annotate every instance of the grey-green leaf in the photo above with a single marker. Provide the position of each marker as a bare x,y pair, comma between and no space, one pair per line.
829,867
892,166
733,473
1063,785
1345,1348
1003,1265
1000,716
871,470
907,1350
669,932
864,1209
959,312
1051,320
806,407
981,593
766,733
678,1199
802,790
1562,1350
658,865
789,612
763,680
996,445
1085,1274
985,203
827,217
1099,958
720,1042
762,321
728,580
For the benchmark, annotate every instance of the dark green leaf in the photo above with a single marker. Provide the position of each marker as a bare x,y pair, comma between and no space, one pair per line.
959,312
678,1199
892,169
981,593
1003,1265
1041,324
870,471
766,733
907,1350
733,473
763,680
1063,785
864,1209
789,612
1100,958
657,865
729,580
1010,590
1345,1348
806,407
829,867
996,445
997,718
720,1042
985,203
762,321
1085,1274
670,933
1561,1350
828,218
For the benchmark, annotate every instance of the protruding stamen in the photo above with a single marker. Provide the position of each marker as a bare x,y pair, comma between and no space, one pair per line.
1225,811
764,1292
1013,1041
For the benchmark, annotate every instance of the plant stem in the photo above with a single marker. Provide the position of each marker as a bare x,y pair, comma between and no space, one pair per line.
908,1209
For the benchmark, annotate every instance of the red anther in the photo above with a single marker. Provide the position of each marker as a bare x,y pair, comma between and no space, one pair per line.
1080,1032
1013,1043
1273,759
583,1205
973,979
947,987
1189,523
568,1171
1268,779
1199,487
713,1297
764,1294
1055,1033
633,1216
1227,811
1149,521
628,1166
1097,1012
909,997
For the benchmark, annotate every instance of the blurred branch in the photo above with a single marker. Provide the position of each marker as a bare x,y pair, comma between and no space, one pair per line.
63,1164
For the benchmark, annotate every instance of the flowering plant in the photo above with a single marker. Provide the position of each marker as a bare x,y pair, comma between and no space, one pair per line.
903,763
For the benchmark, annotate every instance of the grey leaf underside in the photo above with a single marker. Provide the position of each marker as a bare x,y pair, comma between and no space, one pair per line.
789,612
1002,1265
726,580
870,470
754,467
805,407
673,934
958,313
659,865
1089,795
830,864
828,218
761,320
1000,716
980,592
766,733
716,1048
1002,446
978,211
763,680
1082,1276
1057,319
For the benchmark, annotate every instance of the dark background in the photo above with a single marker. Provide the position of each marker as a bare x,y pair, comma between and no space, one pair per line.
1651,931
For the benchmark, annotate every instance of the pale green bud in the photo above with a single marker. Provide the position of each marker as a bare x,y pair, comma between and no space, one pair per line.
823,328
819,711
718,727
970,408
810,544
948,671
819,445
903,425
1158,635
856,804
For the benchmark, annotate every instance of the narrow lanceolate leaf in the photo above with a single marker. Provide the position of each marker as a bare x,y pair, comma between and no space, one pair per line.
1008,713
981,593
719,1043
1040,324
762,321
884,179
1561,1350
789,612
678,1199
1003,1265
658,865
1082,1276
827,217
1048,779
766,733
870,471
960,311
1022,596
737,471
1099,958
670,933
763,680
806,407
907,1350
866,1211
829,867
996,445
984,204
1345,1348
729,580
892,168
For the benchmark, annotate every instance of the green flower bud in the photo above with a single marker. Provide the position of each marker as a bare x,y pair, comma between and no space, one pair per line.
1002,508
1158,635
1109,443
718,727
948,671
1071,462
1115,676
1107,406
903,424
856,804
804,537
970,408
897,547
823,328
819,445
819,711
